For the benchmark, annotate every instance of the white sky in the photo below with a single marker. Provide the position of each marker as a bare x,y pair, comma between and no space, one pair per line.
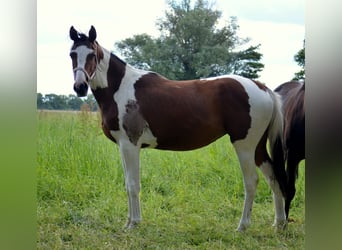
277,25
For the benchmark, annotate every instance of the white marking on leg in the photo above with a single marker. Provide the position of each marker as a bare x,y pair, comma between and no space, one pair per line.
261,109
280,216
250,180
130,161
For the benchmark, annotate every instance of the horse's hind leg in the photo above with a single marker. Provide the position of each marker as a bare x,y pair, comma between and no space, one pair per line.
280,218
250,178
263,160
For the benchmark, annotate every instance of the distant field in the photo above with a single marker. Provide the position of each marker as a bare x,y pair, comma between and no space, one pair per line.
190,200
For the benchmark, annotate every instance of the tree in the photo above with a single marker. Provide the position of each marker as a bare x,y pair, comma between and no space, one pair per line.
74,102
56,101
299,58
62,102
40,101
91,102
191,45
247,63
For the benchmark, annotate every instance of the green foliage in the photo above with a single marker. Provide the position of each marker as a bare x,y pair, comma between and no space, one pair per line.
300,60
191,45
246,63
62,102
190,200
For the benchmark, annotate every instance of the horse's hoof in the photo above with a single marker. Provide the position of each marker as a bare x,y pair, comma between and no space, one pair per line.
291,220
280,226
242,228
131,225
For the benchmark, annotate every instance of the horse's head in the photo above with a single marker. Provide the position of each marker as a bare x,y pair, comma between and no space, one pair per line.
84,57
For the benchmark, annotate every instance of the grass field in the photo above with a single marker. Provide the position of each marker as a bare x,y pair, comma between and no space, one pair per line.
189,200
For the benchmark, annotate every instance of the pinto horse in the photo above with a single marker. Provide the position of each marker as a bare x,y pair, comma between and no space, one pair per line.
142,109
292,94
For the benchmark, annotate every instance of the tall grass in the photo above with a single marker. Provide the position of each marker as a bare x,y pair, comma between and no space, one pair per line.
190,200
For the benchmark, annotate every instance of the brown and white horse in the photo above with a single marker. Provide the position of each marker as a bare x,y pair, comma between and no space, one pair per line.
292,94
142,109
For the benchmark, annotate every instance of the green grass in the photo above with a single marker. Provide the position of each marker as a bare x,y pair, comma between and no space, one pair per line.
190,200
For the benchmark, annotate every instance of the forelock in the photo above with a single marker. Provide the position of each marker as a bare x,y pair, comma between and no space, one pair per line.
83,40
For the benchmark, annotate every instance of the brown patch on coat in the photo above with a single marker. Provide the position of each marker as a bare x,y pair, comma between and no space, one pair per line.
261,154
260,85
185,115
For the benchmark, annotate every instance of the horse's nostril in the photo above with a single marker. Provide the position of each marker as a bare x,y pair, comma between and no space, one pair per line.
76,85
81,89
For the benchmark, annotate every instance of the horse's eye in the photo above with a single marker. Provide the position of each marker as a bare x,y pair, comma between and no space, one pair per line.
91,56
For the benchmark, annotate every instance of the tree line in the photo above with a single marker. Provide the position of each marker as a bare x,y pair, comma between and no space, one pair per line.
191,45
65,102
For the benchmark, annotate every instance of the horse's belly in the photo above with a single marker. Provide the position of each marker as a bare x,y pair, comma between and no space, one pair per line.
188,140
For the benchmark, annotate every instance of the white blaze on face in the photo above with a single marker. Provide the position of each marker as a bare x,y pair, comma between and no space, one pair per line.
82,52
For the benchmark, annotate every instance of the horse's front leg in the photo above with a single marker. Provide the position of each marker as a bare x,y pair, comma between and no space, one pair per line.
130,160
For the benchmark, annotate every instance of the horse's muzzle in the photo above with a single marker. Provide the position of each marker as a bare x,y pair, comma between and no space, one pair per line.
81,89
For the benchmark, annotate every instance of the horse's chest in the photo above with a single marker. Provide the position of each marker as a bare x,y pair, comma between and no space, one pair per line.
133,122
132,126
110,123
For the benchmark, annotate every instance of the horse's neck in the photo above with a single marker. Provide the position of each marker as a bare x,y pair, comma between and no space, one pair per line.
110,71
106,82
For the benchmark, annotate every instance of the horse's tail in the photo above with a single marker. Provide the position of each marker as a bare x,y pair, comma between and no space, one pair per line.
292,174
275,136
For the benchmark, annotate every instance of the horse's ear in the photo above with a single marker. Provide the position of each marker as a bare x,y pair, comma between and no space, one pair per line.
73,33
92,34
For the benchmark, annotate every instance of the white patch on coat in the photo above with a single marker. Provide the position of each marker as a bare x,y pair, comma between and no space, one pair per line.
261,110
122,96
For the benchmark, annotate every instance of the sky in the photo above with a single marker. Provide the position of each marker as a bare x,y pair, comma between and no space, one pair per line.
277,25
